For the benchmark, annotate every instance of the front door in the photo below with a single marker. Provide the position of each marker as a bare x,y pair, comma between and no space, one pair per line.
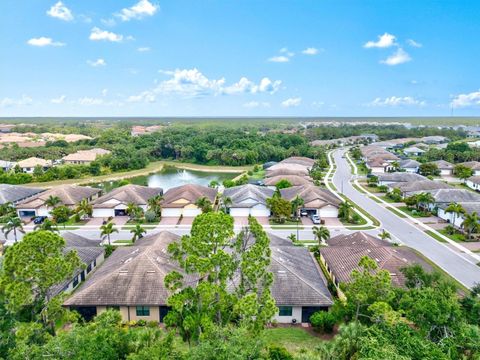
308,311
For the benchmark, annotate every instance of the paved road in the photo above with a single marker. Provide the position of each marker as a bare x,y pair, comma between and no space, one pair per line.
454,263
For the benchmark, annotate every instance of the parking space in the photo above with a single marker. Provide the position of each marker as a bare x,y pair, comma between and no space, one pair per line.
263,220
187,220
95,221
240,220
306,220
332,222
170,220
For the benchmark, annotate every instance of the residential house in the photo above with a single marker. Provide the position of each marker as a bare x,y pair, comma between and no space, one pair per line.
69,195
434,139
414,187
399,177
91,254
448,196
132,281
15,193
445,167
413,151
84,157
473,182
317,201
409,165
29,165
457,219
344,252
248,200
7,165
115,203
474,165
181,200
292,169
379,165
294,180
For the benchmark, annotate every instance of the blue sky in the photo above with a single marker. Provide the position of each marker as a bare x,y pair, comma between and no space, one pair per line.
239,58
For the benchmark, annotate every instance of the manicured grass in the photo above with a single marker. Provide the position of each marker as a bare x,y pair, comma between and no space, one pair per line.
387,199
375,199
359,188
455,237
126,242
292,338
360,228
413,213
435,236
397,212
259,175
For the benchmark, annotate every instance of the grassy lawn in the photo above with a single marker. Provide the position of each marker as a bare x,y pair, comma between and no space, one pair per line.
359,188
360,228
292,338
259,175
126,242
387,199
397,212
435,236
287,225
413,213
454,237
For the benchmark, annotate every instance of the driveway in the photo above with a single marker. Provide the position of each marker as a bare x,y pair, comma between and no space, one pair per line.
460,266
95,221
187,220
169,221
240,221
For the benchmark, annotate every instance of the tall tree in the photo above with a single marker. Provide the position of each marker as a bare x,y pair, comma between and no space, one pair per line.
321,233
84,208
107,230
297,203
137,232
384,235
30,269
15,224
345,211
52,201
204,204
470,224
456,210
155,204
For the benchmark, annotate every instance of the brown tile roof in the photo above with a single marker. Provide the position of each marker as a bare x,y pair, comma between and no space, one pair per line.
295,180
313,196
130,193
474,165
299,170
345,252
32,162
300,160
86,155
69,195
190,192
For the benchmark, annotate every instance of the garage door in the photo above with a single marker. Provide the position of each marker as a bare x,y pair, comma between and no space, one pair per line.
328,212
172,212
191,212
260,210
239,212
26,213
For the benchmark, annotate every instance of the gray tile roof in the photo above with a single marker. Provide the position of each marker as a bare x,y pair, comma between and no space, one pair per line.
345,252
413,149
247,196
313,196
409,164
474,165
469,207
295,180
15,193
69,195
454,195
474,179
136,194
298,160
423,185
400,177
443,165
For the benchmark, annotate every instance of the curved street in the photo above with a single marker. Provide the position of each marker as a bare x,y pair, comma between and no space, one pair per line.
460,266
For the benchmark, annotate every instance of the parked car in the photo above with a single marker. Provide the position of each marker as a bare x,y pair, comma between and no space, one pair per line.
39,220
304,213
315,219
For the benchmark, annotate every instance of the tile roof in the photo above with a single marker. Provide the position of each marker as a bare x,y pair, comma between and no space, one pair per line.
69,195
295,180
130,193
443,165
345,252
474,179
313,196
190,193
247,196
423,185
287,169
32,162
86,155
474,165
14,193
409,164
400,177
454,195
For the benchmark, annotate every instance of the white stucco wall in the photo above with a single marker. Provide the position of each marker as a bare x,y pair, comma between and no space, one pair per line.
103,213
296,314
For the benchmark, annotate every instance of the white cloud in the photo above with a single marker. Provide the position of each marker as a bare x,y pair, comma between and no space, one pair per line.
413,43
143,49
8,102
285,51
44,41
88,101
191,83
256,104
138,11
98,35
398,57
279,59
396,101
108,22
97,63
60,11
384,41
291,102
60,100
310,51
104,92
466,100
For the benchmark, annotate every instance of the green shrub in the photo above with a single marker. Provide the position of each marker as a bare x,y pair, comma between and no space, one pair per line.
278,353
150,216
108,250
323,321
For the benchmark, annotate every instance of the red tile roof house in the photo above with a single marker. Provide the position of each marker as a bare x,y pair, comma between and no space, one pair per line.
115,202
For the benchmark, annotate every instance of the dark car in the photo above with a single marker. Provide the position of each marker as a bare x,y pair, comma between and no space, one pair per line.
39,219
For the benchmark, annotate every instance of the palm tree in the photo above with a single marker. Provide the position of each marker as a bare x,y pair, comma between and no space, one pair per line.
226,202
47,225
292,237
14,223
132,209
107,230
321,233
384,235
155,204
204,204
214,184
425,198
345,210
137,232
52,201
456,210
7,209
470,224
297,203
84,208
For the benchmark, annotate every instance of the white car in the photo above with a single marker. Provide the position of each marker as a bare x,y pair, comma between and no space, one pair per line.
315,219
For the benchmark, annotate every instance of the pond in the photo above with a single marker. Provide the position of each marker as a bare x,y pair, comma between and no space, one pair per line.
171,177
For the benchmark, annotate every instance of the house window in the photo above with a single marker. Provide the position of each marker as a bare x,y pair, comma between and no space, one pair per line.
89,268
143,311
75,281
285,311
